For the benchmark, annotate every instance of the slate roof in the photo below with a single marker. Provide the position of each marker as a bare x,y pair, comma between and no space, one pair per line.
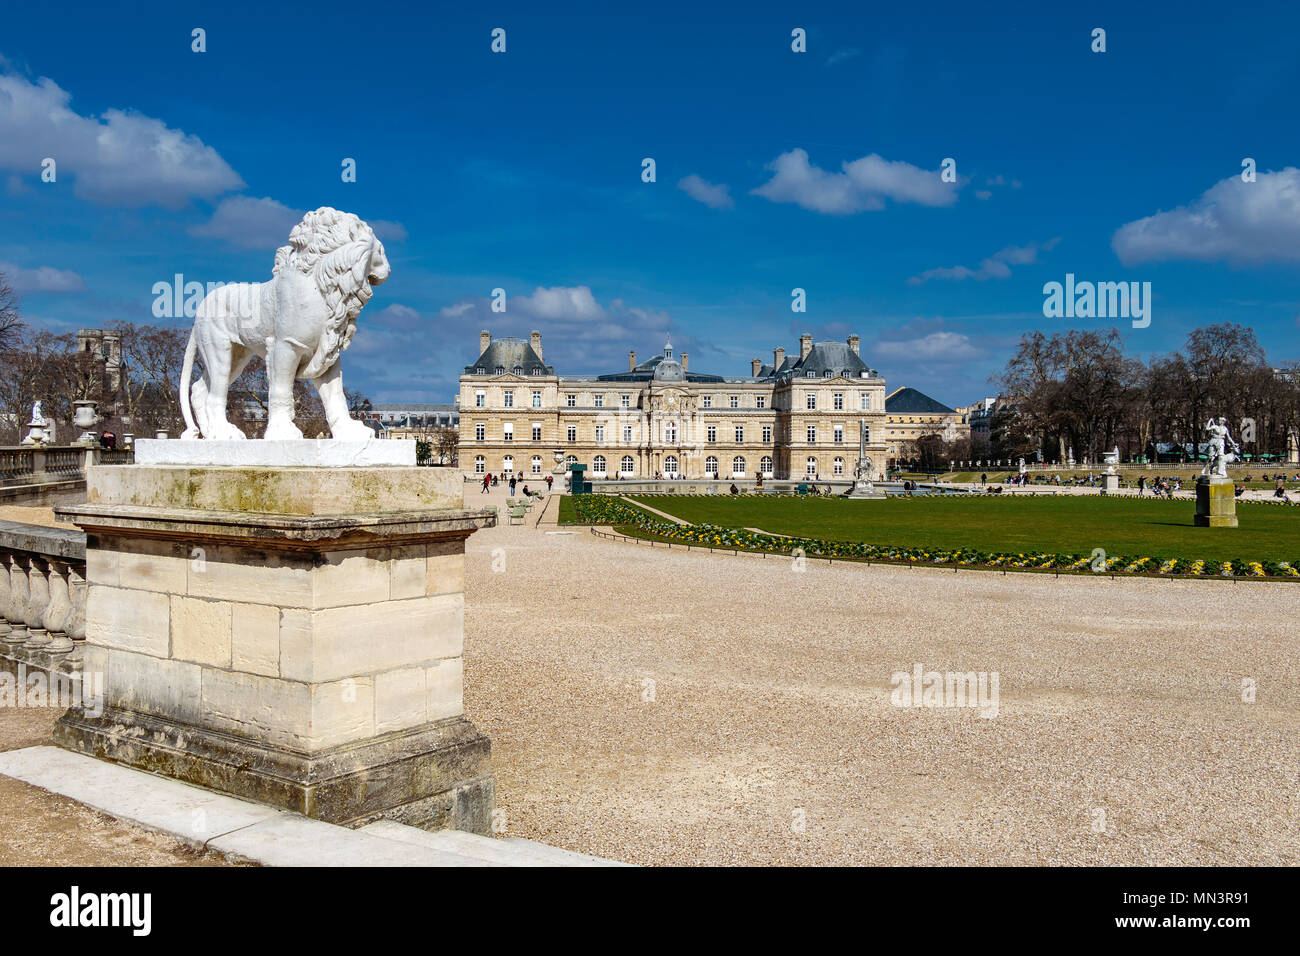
908,401
509,354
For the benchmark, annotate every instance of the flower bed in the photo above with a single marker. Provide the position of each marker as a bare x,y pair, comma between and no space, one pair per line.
595,510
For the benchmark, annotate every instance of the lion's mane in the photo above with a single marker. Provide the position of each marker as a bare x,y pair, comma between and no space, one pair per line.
333,248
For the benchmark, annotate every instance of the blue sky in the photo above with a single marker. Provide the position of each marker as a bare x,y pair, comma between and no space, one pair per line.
774,170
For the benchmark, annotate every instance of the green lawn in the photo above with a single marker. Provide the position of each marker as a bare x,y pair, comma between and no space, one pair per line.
1058,524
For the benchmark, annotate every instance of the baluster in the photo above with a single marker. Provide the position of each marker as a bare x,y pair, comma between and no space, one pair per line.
37,601
76,627
17,609
4,596
59,611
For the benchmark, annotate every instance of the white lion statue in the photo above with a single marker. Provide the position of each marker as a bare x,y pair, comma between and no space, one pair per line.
299,322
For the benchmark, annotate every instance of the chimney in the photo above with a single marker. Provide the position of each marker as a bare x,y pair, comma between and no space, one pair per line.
631,360
484,340
535,340
854,342
683,361
754,366
778,356
805,345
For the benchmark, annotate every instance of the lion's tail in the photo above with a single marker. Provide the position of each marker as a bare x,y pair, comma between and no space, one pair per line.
187,372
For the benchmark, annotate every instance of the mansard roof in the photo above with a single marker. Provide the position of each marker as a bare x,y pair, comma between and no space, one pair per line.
510,354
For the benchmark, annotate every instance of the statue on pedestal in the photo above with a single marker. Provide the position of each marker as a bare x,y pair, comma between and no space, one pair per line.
299,321
1216,464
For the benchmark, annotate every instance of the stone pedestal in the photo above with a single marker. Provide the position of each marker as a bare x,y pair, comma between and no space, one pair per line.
290,635
1109,484
1216,503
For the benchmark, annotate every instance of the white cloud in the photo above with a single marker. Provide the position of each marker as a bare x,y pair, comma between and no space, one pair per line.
934,347
714,195
863,186
996,266
250,223
983,194
265,223
42,279
122,158
1232,221
839,56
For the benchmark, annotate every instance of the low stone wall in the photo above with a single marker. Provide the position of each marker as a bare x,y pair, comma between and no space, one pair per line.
51,474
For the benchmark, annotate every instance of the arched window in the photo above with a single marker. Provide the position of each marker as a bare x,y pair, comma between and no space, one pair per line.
508,463
738,466
765,466
839,466
537,464
812,466
480,466
570,460
598,465
627,464
711,466
670,466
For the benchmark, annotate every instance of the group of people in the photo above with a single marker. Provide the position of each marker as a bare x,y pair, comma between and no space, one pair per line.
1160,485
490,481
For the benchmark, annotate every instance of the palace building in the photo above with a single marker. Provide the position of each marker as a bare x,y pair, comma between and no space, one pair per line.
793,417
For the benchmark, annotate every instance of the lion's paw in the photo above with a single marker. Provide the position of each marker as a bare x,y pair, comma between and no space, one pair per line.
352,430
224,431
283,431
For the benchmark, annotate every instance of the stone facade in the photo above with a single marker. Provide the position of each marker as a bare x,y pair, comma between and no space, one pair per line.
792,418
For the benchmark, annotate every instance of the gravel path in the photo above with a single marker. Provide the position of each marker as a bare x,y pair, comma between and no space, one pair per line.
1120,708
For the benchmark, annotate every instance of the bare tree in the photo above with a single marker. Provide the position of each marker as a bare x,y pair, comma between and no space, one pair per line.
11,322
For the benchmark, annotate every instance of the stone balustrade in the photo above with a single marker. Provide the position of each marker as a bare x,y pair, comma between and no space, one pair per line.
42,597
51,473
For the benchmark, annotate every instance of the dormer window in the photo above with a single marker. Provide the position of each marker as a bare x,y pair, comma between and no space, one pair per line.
830,374
501,370
537,370
519,370
811,374
480,370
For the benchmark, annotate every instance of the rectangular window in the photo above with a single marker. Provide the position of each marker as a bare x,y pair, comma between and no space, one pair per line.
625,401
508,431
767,433
760,402
711,433
537,398
600,401
571,401
508,399
812,433
480,432
573,432
600,433
866,401
740,433
627,433
735,401
708,401
812,400
839,401
537,431
480,398
839,434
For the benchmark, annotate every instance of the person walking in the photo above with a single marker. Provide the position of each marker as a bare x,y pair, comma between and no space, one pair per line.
549,480
512,484
487,480
1142,485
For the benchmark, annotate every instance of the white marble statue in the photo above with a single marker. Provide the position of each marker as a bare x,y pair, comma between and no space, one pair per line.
299,322
1216,464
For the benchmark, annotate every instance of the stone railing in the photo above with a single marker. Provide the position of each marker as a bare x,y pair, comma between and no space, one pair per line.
45,472
42,596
